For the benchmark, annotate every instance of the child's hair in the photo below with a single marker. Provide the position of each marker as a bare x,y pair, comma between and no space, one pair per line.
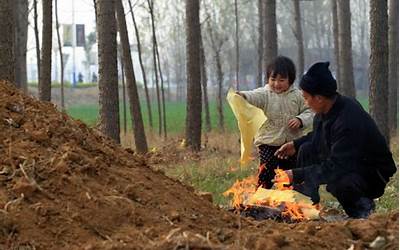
282,66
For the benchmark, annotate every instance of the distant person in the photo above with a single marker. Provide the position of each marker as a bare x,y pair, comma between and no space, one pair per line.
80,77
94,77
345,150
287,117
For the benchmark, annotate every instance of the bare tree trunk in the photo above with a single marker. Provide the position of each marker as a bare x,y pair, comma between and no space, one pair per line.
345,51
166,66
124,118
136,114
108,70
7,58
193,108
378,95
146,90
270,33
151,3
259,80
204,85
335,27
237,44
393,68
21,38
220,79
317,31
61,56
164,115
45,62
36,28
299,37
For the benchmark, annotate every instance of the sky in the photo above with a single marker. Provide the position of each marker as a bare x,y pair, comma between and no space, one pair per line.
83,14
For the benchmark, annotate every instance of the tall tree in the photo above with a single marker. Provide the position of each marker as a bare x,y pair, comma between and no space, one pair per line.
154,43
216,44
61,55
260,50
108,71
164,115
121,63
37,42
237,43
136,114
21,38
193,107
139,47
393,66
335,31
345,48
270,33
204,86
45,61
378,95
7,58
299,37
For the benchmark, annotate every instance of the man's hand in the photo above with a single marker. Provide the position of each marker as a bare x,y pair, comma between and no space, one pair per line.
294,123
285,150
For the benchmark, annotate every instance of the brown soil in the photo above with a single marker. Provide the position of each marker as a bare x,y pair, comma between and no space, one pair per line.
65,186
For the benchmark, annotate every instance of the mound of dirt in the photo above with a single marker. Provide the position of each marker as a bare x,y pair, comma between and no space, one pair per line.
65,186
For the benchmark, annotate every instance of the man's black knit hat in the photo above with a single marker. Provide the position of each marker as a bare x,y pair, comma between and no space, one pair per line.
318,80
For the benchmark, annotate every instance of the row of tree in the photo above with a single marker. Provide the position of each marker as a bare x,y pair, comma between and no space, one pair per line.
215,33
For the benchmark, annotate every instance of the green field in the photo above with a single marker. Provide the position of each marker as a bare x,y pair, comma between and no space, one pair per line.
176,115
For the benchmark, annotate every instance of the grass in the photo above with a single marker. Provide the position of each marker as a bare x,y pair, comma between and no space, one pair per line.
218,172
176,115
214,175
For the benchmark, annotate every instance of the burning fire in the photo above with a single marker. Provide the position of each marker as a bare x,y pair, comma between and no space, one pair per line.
292,204
242,191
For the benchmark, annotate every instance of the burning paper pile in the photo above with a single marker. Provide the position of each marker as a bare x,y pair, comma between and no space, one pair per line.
280,202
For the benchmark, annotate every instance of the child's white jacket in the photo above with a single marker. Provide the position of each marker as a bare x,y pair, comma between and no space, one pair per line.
279,109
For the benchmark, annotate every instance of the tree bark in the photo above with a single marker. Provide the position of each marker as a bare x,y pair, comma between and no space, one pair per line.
45,62
21,38
204,86
216,44
193,108
335,30
299,38
124,118
7,58
270,34
150,4
393,68
378,96
136,114
36,29
164,116
260,50
108,71
345,48
61,56
237,44
139,47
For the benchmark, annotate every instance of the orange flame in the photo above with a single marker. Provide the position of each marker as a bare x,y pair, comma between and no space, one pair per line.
297,211
282,180
242,190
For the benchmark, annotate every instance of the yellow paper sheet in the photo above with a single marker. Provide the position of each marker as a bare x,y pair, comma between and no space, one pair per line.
250,119
291,196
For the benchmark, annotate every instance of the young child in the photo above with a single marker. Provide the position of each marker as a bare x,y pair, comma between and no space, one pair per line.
287,116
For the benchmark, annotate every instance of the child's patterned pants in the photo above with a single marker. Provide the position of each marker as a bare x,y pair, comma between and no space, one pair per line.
269,162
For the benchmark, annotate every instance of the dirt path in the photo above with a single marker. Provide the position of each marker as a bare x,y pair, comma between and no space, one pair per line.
65,186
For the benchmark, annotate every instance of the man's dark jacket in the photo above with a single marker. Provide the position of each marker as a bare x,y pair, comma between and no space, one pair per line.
347,140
